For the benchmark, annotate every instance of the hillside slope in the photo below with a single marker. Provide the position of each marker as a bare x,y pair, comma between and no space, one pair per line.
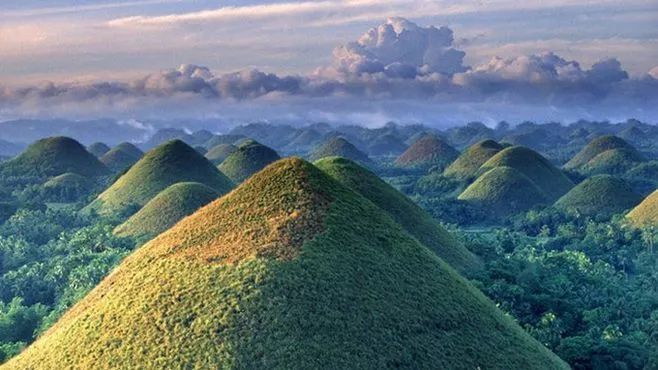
405,212
168,207
290,270
161,167
249,158
599,195
646,213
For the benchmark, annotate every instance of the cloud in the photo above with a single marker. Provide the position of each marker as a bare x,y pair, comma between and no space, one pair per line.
395,62
401,48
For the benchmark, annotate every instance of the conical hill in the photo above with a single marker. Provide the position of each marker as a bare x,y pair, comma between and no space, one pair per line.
340,147
167,208
121,157
426,152
53,156
646,213
161,167
290,270
249,158
600,195
467,165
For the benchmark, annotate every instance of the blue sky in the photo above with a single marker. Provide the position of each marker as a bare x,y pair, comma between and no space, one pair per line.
63,40
496,59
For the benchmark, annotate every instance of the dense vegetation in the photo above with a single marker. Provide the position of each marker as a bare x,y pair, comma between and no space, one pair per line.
578,275
289,270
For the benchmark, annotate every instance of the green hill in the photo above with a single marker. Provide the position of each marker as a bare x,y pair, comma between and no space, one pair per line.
165,210
426,152
600,195
161,167
405,212
249,158
612,162
98,149
549,179
65,188
594,148
340,147
646,213
291,270
121,157
503,191
467,165
53,156
218,153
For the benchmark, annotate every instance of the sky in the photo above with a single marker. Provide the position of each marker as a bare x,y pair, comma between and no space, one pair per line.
358,60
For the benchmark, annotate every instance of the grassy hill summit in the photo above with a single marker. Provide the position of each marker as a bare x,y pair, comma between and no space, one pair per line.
430,150
614,162
599,146
218,153
339,147
290,270
98,149
160,168
121,157
503,191
413,219
249,158
548,178
646,213
166,209
600,195
54,156
467,165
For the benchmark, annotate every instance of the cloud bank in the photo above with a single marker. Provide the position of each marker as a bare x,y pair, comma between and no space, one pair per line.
398,61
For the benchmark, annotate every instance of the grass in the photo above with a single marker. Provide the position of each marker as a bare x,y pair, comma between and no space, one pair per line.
600,195
613,162
340,147
69,186
467,165
98,149
428,151
121,157
596,147
503,191
249,158
165,210
290,270
160,168
550,180
405,212
218,153
53,156
646,213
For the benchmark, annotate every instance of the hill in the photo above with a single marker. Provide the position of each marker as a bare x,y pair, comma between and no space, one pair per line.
594,148
426,152
612,162
249,158
65,188
98,149
549,179
160,168
121,157
405,212
467,165
223,139
218,153
165,210
600,195
339,147
52,157
503,191
646,213
290,270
